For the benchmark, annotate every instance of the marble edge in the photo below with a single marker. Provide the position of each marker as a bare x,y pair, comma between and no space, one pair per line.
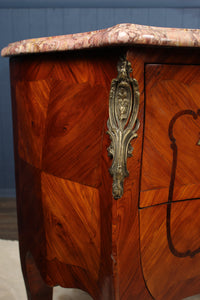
130,34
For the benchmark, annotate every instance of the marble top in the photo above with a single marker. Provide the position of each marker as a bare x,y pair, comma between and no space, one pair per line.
127,34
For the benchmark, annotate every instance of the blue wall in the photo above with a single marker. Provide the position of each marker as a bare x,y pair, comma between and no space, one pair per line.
22,21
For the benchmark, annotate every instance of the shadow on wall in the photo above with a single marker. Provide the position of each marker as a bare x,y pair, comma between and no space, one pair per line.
7,181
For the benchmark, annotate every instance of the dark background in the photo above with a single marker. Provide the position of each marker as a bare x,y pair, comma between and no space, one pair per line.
36,18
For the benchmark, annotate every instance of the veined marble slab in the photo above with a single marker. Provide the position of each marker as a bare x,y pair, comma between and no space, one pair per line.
121,34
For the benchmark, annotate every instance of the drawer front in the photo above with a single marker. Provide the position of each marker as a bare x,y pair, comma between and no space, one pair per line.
171,152
170,249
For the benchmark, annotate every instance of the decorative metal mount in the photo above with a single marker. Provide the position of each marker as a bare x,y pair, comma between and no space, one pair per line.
122,123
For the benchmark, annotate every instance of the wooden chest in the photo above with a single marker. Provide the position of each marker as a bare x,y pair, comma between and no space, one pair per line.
72,231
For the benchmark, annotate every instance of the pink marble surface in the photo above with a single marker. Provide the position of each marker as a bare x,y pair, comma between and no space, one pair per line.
131,34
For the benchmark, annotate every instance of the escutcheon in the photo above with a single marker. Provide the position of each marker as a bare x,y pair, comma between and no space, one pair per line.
122,123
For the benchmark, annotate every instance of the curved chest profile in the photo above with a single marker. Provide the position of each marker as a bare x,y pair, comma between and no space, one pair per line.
106,136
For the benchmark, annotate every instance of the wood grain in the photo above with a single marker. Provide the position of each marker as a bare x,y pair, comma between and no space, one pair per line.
168,92
177,277
70,207
130,273
77,234
74,129
67,158
32,109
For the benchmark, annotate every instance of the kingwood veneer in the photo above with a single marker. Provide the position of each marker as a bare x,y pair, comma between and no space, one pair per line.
72,232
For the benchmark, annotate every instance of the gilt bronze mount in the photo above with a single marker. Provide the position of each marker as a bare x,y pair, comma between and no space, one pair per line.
122,123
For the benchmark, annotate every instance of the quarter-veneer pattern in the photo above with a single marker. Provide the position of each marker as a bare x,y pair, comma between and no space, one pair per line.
60,103
70,227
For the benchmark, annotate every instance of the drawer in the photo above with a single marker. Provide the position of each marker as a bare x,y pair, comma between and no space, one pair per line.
170,249
171,152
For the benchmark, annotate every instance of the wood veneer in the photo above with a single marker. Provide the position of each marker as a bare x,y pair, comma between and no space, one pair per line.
71,231
172,105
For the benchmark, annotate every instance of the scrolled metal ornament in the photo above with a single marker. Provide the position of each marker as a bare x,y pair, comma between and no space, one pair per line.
122,123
